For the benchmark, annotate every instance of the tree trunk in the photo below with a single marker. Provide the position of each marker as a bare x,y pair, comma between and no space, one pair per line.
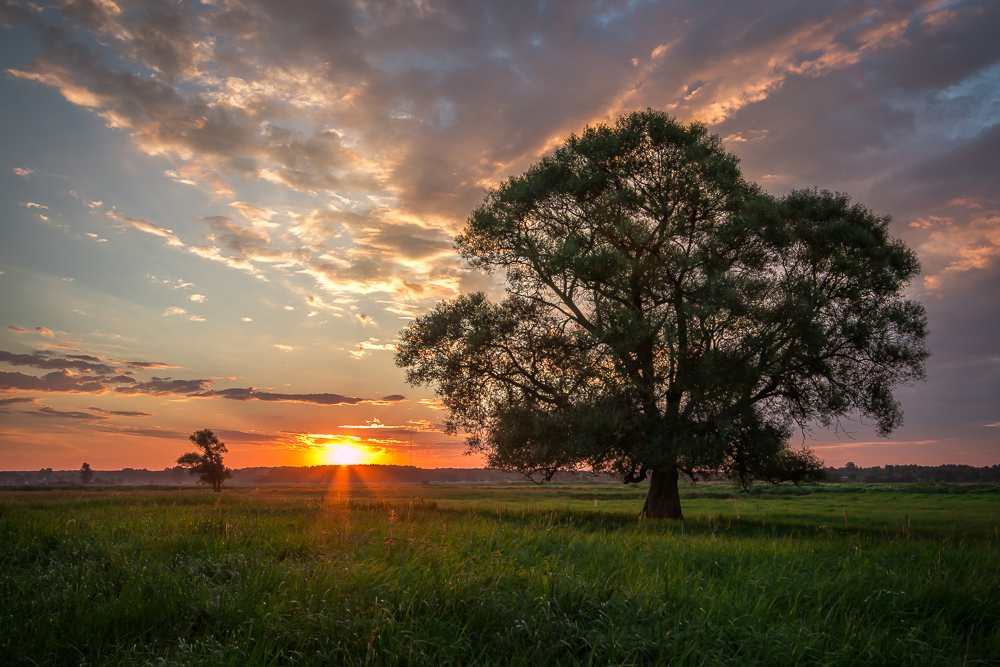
663,500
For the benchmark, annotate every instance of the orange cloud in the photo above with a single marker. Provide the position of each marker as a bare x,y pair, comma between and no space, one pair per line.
148,227
966,241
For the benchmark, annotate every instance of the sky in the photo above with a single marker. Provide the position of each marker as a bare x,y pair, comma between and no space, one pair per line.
221,214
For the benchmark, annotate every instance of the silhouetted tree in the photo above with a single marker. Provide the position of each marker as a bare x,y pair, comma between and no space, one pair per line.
665,316
208,461
86,474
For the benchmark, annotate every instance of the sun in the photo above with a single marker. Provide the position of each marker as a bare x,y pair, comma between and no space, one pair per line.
344,455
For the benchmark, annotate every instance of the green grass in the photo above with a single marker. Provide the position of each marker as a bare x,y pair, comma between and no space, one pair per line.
508,574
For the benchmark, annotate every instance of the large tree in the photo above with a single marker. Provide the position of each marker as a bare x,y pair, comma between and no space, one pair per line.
664,316
207,462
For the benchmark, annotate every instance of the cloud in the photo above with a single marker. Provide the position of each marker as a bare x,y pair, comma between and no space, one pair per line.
58,382
197,298
218,128
174,310
433,403
64,414
244,437
319,302
968,240
874,443
258,216
142,432
120,413
23,171
42,331
166,387
215,254
366,346
147,365
63,382
393,398
81,373
373,423
148,227
17,400
250,393
250,245
43,360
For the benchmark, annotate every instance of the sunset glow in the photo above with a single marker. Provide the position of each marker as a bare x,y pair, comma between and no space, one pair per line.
344,455
221,214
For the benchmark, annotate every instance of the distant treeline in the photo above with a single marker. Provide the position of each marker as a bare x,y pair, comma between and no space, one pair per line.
852,473
392,474
356,474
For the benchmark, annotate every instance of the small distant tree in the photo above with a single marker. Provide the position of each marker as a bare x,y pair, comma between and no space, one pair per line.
208,461
86,473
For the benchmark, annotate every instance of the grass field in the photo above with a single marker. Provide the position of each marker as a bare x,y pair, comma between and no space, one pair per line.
512,574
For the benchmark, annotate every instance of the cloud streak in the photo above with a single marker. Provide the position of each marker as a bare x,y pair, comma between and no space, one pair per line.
92,375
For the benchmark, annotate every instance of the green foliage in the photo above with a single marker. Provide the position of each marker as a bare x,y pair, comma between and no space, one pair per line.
509,575
664,314
207,463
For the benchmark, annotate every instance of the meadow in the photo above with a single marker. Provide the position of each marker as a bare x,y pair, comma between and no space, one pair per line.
507,574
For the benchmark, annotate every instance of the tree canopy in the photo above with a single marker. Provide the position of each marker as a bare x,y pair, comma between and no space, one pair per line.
207,462
663,316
